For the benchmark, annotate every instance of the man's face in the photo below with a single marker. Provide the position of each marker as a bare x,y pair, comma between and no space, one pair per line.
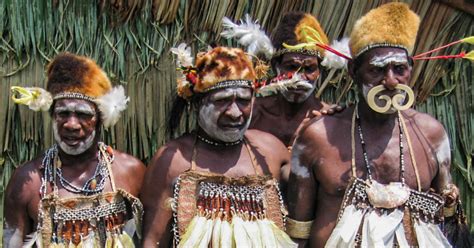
307,66
225,114
383,66
74,125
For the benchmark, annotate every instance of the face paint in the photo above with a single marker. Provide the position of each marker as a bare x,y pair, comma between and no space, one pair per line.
209,116
78,108
380,101
389,58
299,91
81,147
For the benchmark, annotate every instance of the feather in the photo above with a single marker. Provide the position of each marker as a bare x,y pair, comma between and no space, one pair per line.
35,98
268,239
194,233
249,35
333,61
226,240
109,242
89,240
251,227
111,104
216,233
282,85
206,237
32,239
240,235
126,240
183,53
282,239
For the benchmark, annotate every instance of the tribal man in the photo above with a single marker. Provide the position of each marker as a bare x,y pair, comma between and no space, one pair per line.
298,70
380,160
81,191
218,185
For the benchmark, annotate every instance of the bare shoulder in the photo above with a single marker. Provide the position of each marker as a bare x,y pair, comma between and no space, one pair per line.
264,141
431,128
25,182
172,158
127,162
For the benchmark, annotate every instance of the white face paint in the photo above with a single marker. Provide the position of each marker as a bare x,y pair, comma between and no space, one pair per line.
443,151
12,237
299,92
296,167
209,115
389,58
76,107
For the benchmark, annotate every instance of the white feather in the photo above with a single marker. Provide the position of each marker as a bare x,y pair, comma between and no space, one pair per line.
282,85
249,35
183,53
333,61
111,104
33,239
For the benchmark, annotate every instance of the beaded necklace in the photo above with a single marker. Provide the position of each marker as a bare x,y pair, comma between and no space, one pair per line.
364,150
95,184
216,143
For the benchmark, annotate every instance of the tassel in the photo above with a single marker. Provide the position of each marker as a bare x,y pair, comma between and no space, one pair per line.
469,56
206,238
216,233
226,240
194,232
282,239
240,235
268,239
33,239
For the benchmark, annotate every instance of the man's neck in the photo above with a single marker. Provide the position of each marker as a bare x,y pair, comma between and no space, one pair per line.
366,114
79,161
293,108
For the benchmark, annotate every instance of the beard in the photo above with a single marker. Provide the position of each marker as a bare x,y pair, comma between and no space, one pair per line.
207,120
76,150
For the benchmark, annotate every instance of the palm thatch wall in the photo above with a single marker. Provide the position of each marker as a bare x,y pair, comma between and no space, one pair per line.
131,40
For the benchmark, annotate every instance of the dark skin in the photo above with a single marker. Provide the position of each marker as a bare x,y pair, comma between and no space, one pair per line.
321,159
22,196
290,114
233,161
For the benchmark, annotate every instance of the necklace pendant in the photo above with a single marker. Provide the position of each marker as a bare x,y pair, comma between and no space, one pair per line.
93,184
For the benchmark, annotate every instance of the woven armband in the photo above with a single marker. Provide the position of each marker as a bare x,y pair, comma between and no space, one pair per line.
298,229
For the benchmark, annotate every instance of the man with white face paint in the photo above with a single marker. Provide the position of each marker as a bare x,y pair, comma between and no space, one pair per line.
297,64
370,171
217,186
81,192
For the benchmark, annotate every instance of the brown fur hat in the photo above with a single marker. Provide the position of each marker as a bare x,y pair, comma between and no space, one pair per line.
222,64
70,73
392,24
291,31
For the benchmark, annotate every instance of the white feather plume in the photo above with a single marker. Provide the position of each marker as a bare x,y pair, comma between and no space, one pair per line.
282,85
33,239
333,61
183,53
249,35
111,104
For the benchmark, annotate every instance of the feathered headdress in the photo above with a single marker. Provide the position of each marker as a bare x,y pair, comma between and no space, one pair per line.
74,76
217,68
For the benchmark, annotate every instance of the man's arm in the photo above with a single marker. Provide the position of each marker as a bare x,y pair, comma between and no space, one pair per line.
18,196
302,190
156,195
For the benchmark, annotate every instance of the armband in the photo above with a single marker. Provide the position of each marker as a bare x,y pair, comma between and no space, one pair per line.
298,229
